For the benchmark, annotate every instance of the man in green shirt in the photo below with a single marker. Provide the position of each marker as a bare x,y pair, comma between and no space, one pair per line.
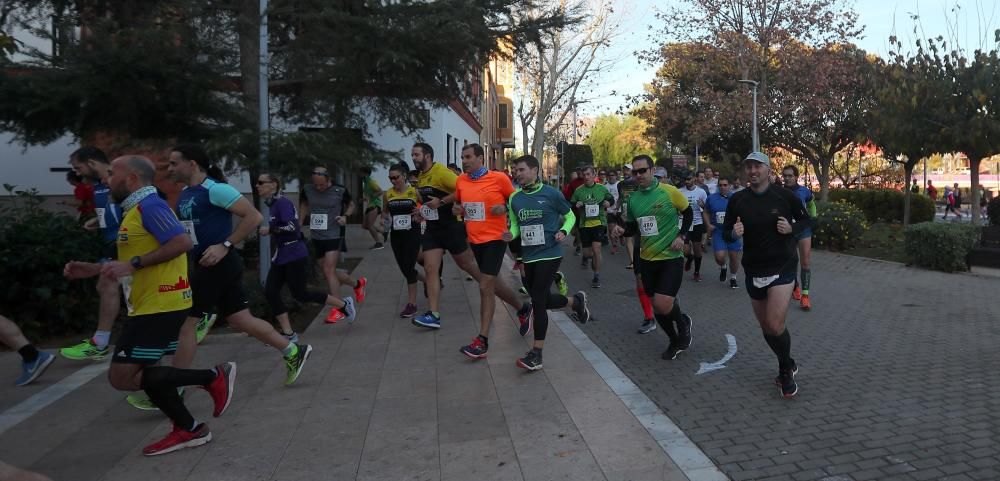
592,200
373,209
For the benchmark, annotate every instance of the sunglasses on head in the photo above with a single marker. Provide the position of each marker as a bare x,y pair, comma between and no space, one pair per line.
641,170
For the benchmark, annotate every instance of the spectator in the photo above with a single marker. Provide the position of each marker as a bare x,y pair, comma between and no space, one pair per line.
83,195
932,191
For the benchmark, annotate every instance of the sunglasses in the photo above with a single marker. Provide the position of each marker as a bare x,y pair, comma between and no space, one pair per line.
640,171
324,174
394,177
262,182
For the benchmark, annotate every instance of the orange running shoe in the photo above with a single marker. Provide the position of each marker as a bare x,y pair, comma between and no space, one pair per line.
804,304
334,316
797,293
359,289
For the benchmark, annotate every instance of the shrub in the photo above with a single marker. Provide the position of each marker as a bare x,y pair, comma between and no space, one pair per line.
993,211
839,225
940,246
886,205
35,244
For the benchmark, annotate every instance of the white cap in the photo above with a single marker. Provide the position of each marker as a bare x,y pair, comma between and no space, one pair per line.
628,166
758,157
660,172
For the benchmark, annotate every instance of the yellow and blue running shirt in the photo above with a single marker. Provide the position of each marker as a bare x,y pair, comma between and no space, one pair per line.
160,287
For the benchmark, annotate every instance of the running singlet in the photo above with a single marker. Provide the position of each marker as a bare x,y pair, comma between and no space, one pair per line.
592,211
372,192
625,190
437,182
534,217
204,213
401,205
655,210
160,287
109,214
324,208
478,198
715,207
693,196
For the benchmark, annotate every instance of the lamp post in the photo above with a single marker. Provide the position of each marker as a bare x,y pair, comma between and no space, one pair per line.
756,139
263,124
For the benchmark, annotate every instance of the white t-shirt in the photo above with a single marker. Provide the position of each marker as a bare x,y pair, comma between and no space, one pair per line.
713,185
693,196
613,189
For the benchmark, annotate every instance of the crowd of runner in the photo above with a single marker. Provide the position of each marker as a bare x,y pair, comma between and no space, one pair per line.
177,269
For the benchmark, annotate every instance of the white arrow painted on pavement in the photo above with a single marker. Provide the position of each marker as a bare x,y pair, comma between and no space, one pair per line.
721,363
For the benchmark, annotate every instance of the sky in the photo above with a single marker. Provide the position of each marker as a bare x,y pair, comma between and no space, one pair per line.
881,18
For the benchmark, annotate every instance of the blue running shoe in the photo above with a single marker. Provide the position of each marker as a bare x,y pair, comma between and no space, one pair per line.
31,370
427,319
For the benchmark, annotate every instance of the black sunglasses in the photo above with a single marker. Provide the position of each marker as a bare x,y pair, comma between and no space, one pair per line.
394,177
640,171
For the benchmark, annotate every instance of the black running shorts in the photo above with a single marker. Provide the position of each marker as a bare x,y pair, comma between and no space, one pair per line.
590,235
147,338
661,277
787,276
489,256
697,234
450,237
322,246
219,287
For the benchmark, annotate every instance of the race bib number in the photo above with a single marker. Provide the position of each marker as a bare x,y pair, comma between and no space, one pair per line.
720,218
401,222
100,218
593,210
428,213
475,211
189,230
533,235
318,221
647,226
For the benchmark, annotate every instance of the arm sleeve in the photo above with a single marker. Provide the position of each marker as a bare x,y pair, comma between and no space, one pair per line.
160,221
687,218
223,195
569,219
811,207
515,228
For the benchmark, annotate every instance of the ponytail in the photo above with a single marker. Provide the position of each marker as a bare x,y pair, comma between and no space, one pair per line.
196,153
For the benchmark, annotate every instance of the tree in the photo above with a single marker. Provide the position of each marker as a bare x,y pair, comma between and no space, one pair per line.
615,139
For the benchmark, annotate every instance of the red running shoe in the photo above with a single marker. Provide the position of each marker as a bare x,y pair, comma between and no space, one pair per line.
359,289
334,316
221,388
179,439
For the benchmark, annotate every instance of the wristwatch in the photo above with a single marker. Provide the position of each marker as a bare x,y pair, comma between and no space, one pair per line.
227,244
136,262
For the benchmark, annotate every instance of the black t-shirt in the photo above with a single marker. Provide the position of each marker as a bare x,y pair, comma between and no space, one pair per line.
766,252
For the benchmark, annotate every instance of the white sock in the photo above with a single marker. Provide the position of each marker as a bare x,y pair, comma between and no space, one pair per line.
101,338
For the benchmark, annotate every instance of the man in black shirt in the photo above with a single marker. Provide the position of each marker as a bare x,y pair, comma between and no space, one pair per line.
767,217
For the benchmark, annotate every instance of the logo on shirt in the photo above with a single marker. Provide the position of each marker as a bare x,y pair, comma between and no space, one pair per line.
185,208
181,285
529,214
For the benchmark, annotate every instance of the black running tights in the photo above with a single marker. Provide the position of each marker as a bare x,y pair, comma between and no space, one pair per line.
293,273
540,275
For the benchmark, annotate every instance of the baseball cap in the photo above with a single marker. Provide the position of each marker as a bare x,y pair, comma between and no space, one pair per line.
628,166
660,172
758,157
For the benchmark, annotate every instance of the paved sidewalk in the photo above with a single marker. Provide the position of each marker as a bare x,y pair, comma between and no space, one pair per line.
379,400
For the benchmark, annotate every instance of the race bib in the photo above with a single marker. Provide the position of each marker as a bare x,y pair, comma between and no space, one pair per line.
533,235
475,211
762,282
100,218
593,210
428,213
189,230
647,226
401,222
720,218
318,221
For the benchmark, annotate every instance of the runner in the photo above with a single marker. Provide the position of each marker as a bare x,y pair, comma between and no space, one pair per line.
158,294
711,181
289,264
400,201
613,217
206,208
575,181
373,208
696,197
535,213
760,215
790,176
92,163
445,231
625,189
327,206
592,200
481,198
653,211
715,216
33,361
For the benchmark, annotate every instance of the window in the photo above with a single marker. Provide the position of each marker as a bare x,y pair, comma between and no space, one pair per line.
455,151
447,146
502,112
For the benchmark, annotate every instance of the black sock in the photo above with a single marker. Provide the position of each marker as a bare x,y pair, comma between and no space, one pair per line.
156,382
782,347
174,378
537,351
486,340
697,264
28,353
666,321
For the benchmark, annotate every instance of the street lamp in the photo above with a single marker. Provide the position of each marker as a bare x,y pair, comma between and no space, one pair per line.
753,84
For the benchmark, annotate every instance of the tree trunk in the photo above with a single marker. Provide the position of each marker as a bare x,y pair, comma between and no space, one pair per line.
248,29
974,191
821,167
907,194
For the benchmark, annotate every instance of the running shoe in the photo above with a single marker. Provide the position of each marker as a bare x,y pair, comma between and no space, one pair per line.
222,387
31,370
561,284
684,331
722,275
687,264
427,319
696,277
576,252
350,312
296,363
580,307
378,246
595,283
629,266
525,321
648,326
476,350
584,264
204,325
804,303
797,293
523,290
795,370
359,289
786,381
336,314
292,338
672,351
85,351
733,284
179,439
140,400
408,311
531,361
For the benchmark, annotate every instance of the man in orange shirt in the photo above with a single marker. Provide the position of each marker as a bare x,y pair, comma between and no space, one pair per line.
481,199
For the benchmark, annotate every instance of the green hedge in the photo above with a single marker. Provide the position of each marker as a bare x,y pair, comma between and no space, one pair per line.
886,205
839,225
940,246
35,244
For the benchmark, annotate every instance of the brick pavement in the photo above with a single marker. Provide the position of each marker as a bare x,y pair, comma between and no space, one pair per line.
897,372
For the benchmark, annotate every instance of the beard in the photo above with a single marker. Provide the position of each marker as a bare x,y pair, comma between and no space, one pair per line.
119,195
